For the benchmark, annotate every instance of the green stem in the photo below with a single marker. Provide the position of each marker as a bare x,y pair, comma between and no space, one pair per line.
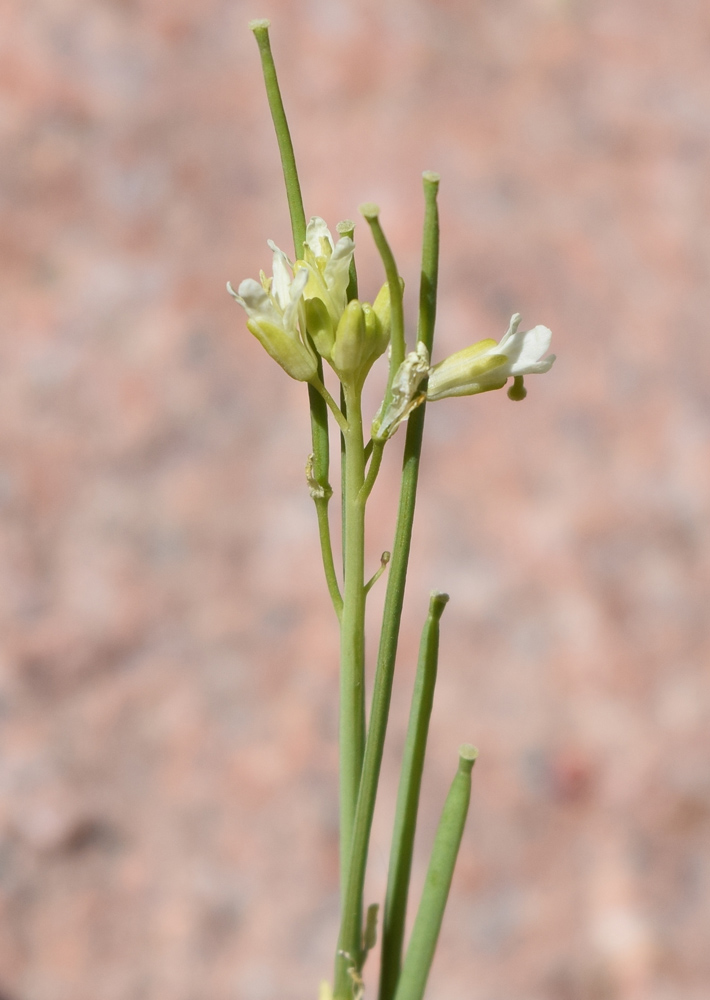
322,491
410,781
316,398
320,388
394,599
331,576
283,135
352,667
321,466
397,344
425,933
343,475
430,263
384,562
346,228
374,467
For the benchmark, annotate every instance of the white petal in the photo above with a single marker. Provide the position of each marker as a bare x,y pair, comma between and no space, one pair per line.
250,291
541,366
510,332
282,276
337,272
272,246
295,293
257,302
526,349
316,233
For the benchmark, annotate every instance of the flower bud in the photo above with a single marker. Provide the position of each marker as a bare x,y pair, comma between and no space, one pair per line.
382,307
359,341
320,326
350,342
376,337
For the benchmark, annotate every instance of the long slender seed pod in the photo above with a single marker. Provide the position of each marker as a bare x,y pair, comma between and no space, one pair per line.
410,781
425,934
318,408
283,135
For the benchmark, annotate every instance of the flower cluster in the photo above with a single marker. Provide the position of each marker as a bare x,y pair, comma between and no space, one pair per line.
303,311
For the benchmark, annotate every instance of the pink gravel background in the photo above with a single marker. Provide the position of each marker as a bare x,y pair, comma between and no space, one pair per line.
168,666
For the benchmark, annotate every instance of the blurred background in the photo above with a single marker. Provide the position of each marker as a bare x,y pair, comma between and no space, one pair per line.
168,674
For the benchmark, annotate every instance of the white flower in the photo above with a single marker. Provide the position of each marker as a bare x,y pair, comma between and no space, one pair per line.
328,268
488,365
274,310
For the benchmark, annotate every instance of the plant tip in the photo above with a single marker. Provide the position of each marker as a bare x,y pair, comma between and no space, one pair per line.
369,210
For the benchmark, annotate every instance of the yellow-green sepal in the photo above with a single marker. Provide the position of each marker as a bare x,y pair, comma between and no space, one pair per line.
293,356
461,373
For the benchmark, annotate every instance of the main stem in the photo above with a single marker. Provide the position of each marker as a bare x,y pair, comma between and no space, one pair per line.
351,921
352,636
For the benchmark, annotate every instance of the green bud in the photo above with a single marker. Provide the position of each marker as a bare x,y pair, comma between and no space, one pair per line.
376,344
350,342
383,307
378,329
320,326
359,341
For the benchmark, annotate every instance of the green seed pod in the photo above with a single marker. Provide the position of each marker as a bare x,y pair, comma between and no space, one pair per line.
425,933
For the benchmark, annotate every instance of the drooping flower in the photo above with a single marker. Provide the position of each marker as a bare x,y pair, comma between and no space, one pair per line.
488,365
275,315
